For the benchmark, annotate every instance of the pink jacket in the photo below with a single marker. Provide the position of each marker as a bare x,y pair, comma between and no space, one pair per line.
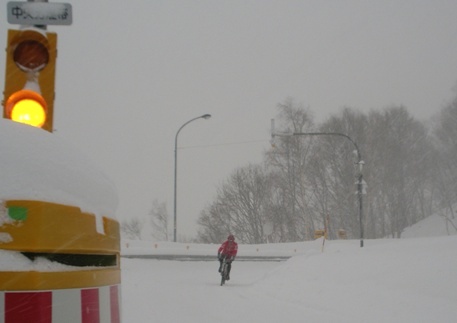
229,248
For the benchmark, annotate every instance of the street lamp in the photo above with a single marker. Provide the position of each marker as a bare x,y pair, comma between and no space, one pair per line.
205,116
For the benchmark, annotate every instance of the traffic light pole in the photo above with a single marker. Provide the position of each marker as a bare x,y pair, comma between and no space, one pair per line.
359,162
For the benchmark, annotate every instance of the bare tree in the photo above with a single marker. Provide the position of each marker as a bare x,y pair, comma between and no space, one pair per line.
399,154
159,220
132,228
289,160
240,207
334,172
445,132
214,227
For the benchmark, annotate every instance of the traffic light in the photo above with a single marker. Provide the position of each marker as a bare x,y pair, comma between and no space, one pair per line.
29,77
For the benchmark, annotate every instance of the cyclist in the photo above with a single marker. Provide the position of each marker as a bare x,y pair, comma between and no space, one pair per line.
228,249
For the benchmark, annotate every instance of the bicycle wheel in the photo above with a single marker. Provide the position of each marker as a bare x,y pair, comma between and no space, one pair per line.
223,273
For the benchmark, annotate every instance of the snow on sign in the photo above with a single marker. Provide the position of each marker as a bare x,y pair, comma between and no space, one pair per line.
39,13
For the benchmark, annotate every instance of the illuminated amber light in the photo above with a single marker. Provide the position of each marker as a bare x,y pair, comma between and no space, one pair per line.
27,107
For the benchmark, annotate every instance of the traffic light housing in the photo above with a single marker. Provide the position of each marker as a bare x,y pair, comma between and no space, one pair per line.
30,77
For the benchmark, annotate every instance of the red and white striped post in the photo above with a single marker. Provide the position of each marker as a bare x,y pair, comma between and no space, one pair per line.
94,305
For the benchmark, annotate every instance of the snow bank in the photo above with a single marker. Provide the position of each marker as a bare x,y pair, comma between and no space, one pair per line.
432,226
37,165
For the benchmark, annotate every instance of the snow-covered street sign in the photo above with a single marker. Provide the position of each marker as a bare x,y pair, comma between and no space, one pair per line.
39,13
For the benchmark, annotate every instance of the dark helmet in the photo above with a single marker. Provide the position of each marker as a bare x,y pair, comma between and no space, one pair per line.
231,237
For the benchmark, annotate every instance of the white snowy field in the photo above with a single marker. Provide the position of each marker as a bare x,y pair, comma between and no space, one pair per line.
388,280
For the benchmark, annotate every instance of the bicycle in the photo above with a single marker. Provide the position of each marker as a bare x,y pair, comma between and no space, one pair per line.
224,270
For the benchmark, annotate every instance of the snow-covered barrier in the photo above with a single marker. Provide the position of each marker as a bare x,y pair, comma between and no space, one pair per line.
59,239
63,235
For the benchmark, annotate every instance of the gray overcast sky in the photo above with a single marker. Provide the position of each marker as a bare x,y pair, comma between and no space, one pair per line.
130,73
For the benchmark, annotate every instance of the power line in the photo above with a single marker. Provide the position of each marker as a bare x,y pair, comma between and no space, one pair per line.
225,144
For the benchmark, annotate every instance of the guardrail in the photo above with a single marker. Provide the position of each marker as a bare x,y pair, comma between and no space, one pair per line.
206,258
208,252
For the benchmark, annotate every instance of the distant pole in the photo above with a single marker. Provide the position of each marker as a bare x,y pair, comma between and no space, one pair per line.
205,116
360,162
326,230
360,193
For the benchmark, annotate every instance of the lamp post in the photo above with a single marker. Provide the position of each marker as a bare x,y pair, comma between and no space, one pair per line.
360,162
205,116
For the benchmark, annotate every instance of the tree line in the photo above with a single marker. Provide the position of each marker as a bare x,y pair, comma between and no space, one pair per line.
410,170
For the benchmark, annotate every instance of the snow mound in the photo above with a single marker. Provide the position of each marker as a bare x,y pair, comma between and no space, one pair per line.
432,226
412,278
38,165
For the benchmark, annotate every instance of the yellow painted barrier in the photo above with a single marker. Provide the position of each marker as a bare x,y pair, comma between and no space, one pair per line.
49,227
34,280
66,235
320,233
342,234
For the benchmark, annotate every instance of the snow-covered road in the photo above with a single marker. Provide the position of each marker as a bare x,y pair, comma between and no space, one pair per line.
390,280
177,291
